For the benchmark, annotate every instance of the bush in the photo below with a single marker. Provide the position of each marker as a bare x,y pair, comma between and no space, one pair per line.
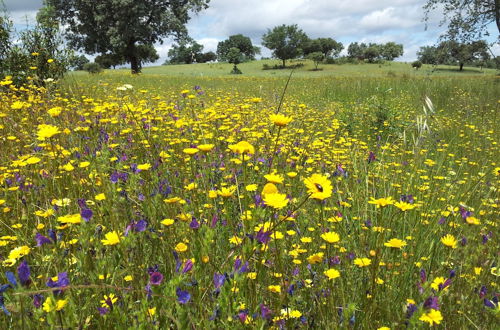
417,65
92,68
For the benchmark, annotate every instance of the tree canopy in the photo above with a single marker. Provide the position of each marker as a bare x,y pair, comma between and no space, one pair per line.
454,53
467,20
286,41
243,43
124,26
327,46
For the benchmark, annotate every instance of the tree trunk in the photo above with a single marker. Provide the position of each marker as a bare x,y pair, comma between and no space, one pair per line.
132,57
283,63
461,66
134,64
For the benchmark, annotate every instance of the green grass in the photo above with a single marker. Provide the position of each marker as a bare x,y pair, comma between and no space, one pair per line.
359,127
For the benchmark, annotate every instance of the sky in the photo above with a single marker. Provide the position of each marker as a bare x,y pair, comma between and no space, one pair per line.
346,21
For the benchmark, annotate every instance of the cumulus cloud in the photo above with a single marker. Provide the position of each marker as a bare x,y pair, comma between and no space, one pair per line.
343,20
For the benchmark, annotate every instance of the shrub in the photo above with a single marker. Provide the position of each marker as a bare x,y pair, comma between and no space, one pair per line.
92,68
417,65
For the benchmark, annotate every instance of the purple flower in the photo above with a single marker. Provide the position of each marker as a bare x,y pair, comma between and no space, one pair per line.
41,240
140,225
423,276
183,297
86,214
442,221
103,310
410,309
265,312
188,265
371,157
483,291
62,282
11,278
219,280
194,224
263,236
431,303
37,300
491,303
156,278
23,271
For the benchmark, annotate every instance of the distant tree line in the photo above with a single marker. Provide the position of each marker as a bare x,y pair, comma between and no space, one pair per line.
451,52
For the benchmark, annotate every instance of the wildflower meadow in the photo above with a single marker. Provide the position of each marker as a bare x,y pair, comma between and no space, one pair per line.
148,201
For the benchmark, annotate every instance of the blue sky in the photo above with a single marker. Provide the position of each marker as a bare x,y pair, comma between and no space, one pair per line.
344,20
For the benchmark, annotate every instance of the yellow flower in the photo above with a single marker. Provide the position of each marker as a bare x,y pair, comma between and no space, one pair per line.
395,243
109,300
315,258
181,247
70,218
269,188
167,222
331,237
190,151
331,273
381,202
318,186
280,120
472,220
432,317
68,167
47,131
128,278
205,147
437,282
100,197
274,178
151,311
54,112
226,192
362,262
251,187
274,288
276,200
144,167
50,60
449,240
51,305
235,240
111,238
242,147
19,252
403,206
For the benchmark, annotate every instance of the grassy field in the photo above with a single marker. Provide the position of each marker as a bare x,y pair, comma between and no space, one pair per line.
362,196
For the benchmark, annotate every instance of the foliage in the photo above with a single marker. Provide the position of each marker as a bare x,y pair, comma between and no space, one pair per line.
327,46
243,43
186,52
92,67
76,62
317,58
416,65
107,61
235,56
468,20
124,27
286,42
452,52
39,53
373,52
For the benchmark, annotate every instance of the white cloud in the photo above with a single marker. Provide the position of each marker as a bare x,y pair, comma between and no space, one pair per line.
343,20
